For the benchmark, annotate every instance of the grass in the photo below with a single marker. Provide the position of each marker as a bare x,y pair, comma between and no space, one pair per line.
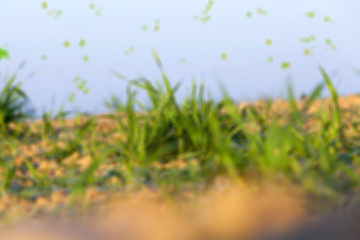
174,146
13,102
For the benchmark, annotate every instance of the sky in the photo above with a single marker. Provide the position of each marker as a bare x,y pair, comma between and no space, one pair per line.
251,47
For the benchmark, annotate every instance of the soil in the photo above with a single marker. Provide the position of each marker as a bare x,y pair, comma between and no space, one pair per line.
226,210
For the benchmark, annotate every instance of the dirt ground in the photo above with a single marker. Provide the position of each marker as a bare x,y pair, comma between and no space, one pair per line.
225,211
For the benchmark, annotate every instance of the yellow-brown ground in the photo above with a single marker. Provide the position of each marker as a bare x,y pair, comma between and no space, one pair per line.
225,210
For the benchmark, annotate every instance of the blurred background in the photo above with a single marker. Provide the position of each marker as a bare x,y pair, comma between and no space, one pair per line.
253,48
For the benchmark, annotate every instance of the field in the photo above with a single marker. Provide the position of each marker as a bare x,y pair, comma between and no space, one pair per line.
198,169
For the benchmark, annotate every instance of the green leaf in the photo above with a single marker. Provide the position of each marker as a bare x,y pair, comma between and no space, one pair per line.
4,54
86,58
66,44
313,96
285,65
295,112
82,43
310,14
44,5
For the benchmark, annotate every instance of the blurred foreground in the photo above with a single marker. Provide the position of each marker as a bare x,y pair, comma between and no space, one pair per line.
224,211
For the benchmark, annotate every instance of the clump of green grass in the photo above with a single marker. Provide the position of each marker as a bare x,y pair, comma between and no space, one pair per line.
207,138
13,105
218,136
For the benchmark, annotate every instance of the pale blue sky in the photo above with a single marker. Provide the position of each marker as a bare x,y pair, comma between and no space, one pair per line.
29,33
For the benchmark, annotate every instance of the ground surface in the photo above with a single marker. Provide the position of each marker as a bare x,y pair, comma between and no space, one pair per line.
226,209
